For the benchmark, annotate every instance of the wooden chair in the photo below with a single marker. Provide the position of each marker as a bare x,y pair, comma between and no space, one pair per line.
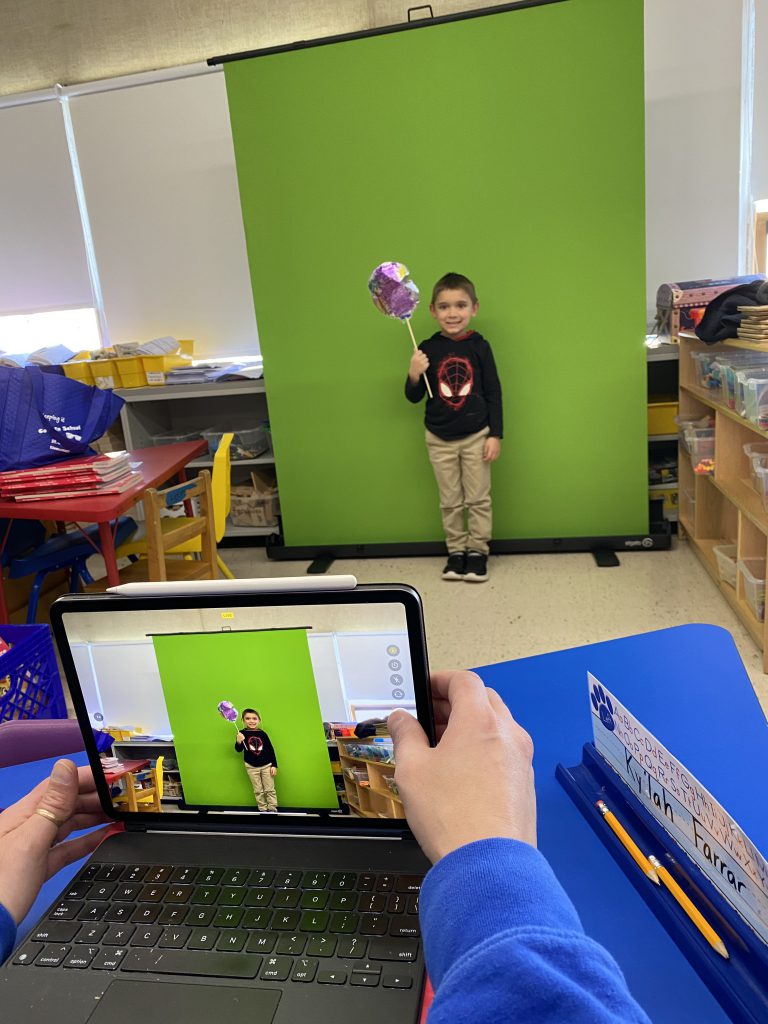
164,534
151,794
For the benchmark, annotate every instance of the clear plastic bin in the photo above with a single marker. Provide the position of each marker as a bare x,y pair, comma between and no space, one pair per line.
726,562
757,455
756,401
706,375
761,483
743,377
701,445
753,574
246,444
688,503
729,365
159,439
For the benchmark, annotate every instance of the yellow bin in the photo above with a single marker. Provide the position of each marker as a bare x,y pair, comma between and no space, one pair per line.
661,417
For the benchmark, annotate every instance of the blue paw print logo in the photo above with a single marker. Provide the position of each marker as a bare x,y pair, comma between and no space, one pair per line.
601,702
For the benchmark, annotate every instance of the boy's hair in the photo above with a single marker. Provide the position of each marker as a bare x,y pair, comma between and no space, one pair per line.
454,281
251,711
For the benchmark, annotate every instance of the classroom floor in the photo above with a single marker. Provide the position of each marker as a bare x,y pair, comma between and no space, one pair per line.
538,603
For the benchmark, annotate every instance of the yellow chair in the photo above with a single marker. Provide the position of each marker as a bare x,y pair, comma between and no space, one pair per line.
220,486
135,799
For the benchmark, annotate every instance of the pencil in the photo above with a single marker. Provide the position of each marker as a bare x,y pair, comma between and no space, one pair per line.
628,842
695,915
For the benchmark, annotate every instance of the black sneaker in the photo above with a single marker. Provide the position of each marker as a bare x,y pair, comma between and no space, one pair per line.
455,567
476,567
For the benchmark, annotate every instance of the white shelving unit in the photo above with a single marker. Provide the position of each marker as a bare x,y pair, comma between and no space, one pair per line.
188,408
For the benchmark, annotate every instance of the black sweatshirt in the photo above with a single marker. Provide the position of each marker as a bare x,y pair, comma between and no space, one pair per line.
257,750
465,385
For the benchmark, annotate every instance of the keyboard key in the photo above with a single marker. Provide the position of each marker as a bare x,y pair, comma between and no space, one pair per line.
89,872
146,936
210,876
183,875
260,877
366,883
285,921
258,919
293,944
393,979
203,938
158,874
231,897
286,898
174,938
56,931
312,900
369,980
92,912
314,880
396,903
78,891
179,893
27,955
109,959
235,876
145,913
288,879
258,897
118,935
81,957
261,942
374,903
90,933
185,961
321,945
314,921
173,914
228,917
51,956
412,905
385,883
201,917
119,912
344,900
331,977
231,941
409,883
352,946
373,924
405,925
343,880
134,872
109,872
276,968
66,911
127,892
152,893
344,923
392,949
304,970
205,894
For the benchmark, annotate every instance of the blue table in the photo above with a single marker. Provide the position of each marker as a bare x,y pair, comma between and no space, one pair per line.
689,687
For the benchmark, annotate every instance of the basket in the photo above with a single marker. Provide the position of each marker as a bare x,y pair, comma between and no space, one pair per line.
29,675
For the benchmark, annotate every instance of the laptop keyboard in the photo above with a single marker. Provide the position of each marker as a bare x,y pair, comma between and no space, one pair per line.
327,928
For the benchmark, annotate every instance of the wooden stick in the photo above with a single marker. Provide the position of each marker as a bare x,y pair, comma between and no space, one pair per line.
415,348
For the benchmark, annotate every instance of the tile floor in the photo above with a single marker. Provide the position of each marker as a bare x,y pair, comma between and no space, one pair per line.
538,603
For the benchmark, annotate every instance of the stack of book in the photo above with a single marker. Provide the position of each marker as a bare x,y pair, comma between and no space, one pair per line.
110,473
754,324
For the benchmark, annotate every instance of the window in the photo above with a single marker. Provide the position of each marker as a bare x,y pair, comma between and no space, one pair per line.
23,333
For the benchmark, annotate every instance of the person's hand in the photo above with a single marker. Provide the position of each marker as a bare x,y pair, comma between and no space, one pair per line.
491,449
272,771
477,783
29,850
240,738
419,364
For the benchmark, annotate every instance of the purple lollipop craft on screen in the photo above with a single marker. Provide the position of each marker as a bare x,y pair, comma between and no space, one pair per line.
395,294
227,710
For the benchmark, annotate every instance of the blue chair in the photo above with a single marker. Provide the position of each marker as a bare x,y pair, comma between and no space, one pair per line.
70,550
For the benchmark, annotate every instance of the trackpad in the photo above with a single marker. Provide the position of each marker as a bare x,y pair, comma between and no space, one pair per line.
136,1002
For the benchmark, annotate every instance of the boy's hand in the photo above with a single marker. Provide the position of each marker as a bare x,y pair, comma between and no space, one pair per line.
444,805
491,449
273,771
418,365
240,738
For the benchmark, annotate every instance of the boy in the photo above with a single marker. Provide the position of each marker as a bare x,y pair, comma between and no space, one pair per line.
260,760
463,423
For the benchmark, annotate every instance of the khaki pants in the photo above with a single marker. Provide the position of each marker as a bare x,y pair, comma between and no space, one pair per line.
464,481
263,787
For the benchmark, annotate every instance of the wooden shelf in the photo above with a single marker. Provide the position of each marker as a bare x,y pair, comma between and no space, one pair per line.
746,499
374,800
703,396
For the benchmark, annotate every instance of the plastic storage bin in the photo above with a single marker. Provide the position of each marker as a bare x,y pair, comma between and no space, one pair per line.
701,445
662,417
246,444
30,684
756,400
706,375
761,483
726,562
729,365
753,574
743,377
160,439
757,455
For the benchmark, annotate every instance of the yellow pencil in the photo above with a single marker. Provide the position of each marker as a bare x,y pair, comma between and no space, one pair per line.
695,915
628,843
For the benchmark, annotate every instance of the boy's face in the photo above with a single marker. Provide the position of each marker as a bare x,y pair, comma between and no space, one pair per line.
251,721
453,309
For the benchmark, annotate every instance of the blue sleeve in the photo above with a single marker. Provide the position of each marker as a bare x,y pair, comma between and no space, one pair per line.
503,942
7,933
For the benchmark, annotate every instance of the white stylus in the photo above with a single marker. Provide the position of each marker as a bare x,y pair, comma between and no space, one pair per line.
277,585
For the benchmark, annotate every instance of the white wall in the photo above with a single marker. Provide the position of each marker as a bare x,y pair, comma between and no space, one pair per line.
759,189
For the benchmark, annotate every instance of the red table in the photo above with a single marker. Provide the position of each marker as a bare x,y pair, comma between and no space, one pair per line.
127,771
157,465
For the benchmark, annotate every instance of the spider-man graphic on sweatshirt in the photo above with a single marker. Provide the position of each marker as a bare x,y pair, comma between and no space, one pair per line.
465,385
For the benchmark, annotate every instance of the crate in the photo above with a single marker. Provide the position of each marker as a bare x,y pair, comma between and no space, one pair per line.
156,367
79,369
726,562
29,675
250,508
753,574
661,417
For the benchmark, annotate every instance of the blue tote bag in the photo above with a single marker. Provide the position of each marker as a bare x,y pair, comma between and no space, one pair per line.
45,417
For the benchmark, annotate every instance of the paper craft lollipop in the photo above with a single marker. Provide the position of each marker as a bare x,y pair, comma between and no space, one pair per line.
227,710
394,294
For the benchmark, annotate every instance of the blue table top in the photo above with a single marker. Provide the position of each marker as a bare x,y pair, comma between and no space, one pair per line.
688,686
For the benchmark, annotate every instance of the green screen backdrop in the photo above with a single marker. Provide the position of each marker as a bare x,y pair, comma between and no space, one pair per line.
508,148
270,671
